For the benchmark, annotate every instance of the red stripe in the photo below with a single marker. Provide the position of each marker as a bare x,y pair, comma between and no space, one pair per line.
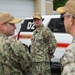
20,36
62,45
59,44
25,36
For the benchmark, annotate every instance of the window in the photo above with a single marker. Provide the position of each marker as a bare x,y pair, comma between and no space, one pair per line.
56,25
27,26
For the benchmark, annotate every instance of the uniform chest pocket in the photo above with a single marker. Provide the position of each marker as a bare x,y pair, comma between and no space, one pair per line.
39,41
39,38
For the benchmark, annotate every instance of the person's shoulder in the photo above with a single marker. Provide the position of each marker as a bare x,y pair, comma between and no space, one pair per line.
34,31
46,28
71,47
18,46
45,31
15,42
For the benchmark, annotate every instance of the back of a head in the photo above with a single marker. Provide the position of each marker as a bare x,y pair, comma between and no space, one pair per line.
5,17
68,7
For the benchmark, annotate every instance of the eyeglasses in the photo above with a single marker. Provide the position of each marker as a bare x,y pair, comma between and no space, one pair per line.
63,16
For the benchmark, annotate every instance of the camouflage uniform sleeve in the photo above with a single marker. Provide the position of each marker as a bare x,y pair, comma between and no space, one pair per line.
68,57
68,61
24,58
50,40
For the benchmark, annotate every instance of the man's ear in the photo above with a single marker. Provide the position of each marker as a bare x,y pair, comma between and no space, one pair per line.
71,21
1,26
